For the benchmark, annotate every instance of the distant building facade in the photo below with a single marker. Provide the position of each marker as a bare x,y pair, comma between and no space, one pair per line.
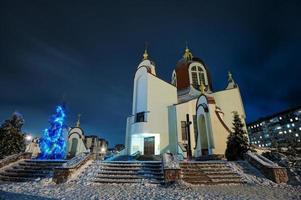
96,144
283,128
78,142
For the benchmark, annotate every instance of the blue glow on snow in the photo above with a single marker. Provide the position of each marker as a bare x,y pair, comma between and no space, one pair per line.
52,143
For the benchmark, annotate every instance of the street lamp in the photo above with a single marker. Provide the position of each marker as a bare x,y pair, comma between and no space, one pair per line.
28,138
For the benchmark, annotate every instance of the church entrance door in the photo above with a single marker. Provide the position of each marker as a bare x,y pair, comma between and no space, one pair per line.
149,145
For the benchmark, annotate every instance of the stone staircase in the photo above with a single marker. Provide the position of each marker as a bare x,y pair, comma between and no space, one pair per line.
130,172
208,173
29,170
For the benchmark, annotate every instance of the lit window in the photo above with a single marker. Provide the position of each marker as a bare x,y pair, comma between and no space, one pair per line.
258,141
255,142
280,118
279,127
298,140
293,125
290,131
260,137
291,120
288,125
296,118
299,128
259,145
280,132
284,131
297,135
197,76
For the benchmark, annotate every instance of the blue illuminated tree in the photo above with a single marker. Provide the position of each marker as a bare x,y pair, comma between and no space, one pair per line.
52,143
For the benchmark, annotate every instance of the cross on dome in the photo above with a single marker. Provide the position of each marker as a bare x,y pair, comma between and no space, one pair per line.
202,87
78,120
187,55
145,54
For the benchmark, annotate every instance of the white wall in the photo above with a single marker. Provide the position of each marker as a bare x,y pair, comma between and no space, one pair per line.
182,109
154,96
229,101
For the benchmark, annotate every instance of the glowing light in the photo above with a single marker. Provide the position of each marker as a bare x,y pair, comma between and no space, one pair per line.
52,143
28,137
103,149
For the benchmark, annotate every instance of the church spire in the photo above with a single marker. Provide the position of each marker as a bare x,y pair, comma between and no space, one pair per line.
145,54
231,82
187,54
78,120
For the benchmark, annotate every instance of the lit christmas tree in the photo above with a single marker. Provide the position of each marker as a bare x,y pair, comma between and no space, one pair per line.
52,143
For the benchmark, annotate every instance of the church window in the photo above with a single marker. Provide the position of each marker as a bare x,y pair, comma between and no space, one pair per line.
183,129
197,75
140,117
202,77
194,77
174,79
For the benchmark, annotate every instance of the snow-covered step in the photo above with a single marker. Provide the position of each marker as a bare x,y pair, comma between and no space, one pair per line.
120,168
224,176
129,172
117,180
119,176
228,171
16,179
119,172
29,170
208,173
22,174
205,169
18,170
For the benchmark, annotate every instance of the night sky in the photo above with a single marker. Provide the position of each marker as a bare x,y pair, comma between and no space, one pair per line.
86,52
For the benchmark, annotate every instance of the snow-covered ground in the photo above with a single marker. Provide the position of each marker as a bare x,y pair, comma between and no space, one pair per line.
81,187
130,191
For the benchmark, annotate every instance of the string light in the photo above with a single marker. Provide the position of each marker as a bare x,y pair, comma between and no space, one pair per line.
52,143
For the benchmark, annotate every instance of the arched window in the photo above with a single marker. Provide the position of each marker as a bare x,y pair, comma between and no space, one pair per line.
197,75
174,79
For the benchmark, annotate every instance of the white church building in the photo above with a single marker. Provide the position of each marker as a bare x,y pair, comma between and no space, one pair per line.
185,116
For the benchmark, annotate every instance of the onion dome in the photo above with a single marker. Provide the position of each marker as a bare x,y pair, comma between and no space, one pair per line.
191,71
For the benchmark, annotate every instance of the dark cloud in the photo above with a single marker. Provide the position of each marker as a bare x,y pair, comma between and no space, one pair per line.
87,53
